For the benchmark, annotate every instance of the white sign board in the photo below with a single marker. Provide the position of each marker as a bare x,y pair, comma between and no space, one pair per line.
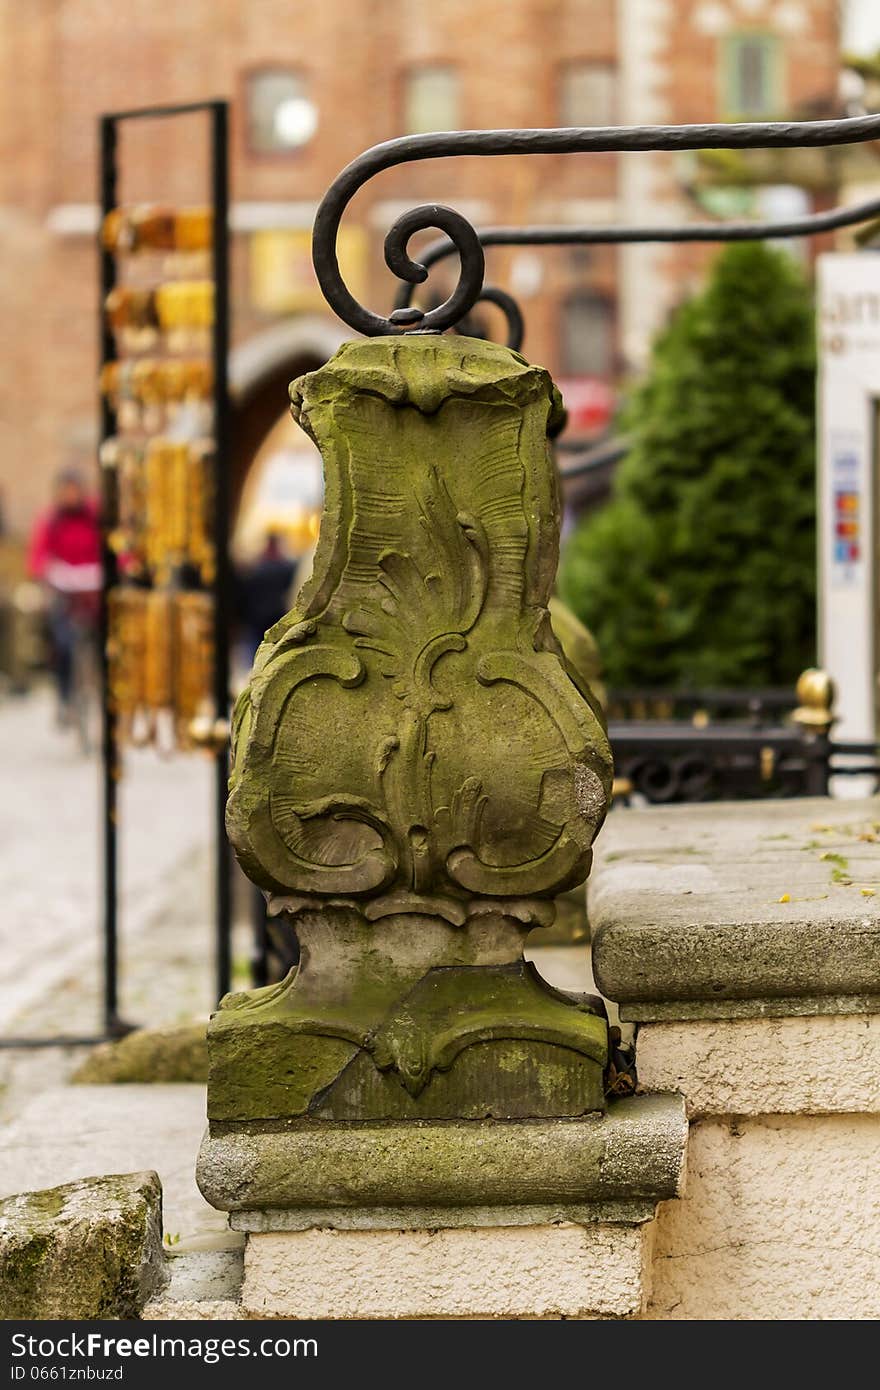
849,389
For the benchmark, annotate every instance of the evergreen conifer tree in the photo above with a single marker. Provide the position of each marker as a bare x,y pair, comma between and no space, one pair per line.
701,569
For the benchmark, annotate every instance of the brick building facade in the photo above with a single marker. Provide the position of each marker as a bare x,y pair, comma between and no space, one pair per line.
312,86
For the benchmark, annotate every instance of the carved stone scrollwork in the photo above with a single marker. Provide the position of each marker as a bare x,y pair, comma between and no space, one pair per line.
410,727
413,752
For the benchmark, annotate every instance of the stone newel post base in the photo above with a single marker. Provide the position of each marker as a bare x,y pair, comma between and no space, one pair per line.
521,1218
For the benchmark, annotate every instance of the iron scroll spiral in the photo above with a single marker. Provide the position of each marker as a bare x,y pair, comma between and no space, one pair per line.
571,140
812,224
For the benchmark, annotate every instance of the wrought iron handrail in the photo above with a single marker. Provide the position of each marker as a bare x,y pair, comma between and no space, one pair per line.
573,140
811,224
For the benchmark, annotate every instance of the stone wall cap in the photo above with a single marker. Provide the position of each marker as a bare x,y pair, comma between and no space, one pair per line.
738,901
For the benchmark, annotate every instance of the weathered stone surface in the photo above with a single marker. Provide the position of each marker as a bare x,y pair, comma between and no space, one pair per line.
741,904
534,1042
508,1272
178,1053
530,1078
88,1249
631,1212
779,1066
386,743
203,1276
780,1220
418,769
634,1152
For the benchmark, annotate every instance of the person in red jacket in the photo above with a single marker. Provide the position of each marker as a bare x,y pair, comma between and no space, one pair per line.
65,552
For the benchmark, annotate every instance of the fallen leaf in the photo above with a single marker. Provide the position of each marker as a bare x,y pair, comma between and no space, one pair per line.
786,898
867,892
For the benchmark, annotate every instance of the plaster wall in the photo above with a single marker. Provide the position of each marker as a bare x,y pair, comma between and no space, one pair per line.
781,1213
780,1220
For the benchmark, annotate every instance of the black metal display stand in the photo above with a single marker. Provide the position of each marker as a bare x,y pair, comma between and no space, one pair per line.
217,114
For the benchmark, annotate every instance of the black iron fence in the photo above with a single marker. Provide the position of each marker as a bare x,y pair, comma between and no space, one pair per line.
714,704
718,744
667,762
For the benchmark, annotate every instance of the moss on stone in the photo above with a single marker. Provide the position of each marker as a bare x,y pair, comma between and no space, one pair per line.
634,1152
284,1052
87,1249
175,1054
267,1070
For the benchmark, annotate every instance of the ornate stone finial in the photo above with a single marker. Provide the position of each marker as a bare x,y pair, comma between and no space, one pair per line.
417,770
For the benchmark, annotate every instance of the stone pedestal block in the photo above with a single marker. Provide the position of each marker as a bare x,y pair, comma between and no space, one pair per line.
543,1271
529,1218
428,1174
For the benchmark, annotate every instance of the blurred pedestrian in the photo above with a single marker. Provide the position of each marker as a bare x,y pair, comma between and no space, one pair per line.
264,592
65,553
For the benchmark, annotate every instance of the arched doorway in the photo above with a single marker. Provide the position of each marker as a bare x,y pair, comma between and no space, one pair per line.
260,371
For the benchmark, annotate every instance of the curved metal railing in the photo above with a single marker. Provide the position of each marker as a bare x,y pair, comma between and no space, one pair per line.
462,238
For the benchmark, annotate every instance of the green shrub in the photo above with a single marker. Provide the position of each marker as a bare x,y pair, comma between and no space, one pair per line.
701,568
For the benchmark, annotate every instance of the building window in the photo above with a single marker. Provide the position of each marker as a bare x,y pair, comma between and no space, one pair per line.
280,114
430,100
587,94
587,335
751,75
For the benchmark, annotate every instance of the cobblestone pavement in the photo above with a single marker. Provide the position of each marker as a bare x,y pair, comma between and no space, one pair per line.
50,901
